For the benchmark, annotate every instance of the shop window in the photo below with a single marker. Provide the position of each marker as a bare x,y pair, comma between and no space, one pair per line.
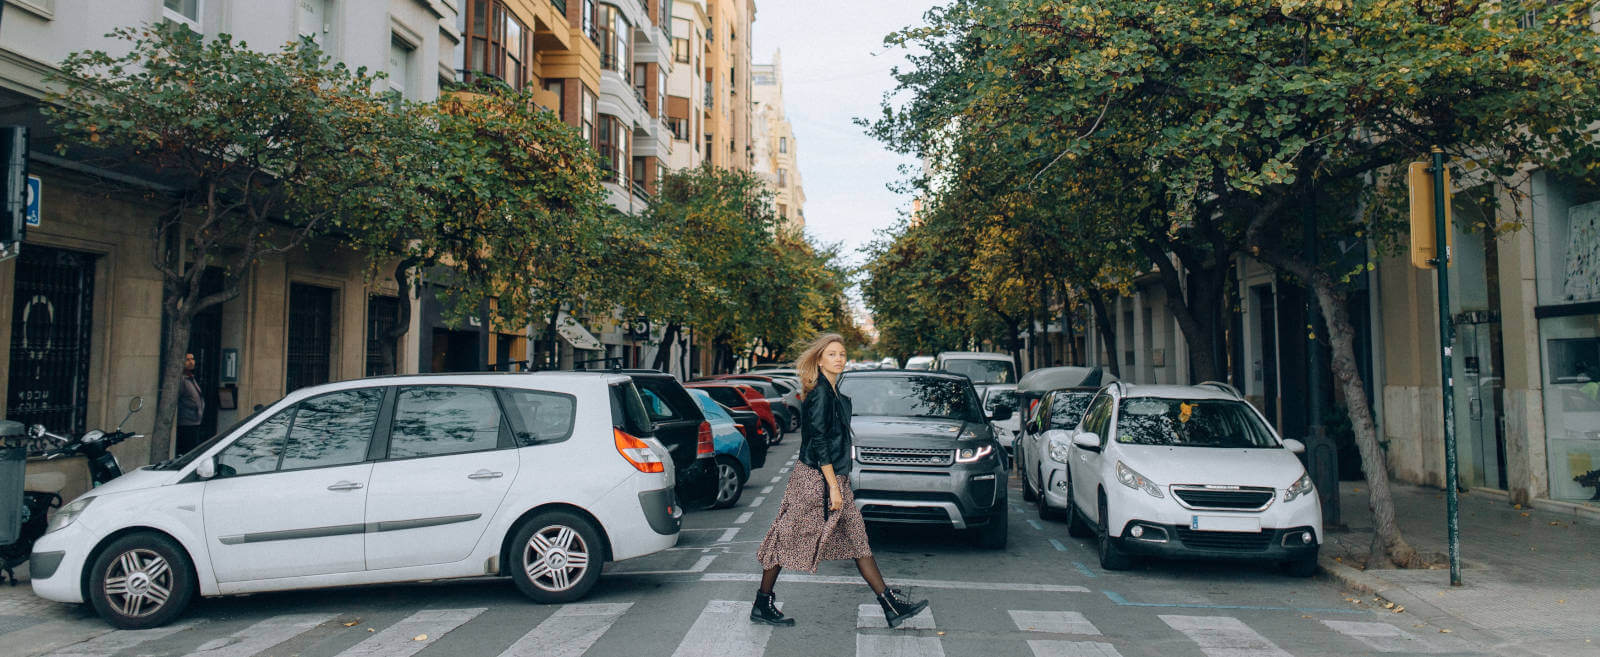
1567,241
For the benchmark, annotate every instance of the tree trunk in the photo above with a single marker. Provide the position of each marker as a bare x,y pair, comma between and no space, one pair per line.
1069,340
554,361
664,353
402,323
1194,308
1108,330
178,331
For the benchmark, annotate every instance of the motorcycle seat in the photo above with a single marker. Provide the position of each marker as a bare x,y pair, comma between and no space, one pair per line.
44,482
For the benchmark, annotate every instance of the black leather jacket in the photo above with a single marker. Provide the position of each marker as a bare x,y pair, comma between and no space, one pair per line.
825,428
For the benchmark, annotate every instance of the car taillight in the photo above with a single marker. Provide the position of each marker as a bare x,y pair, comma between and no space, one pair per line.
705,445
637,452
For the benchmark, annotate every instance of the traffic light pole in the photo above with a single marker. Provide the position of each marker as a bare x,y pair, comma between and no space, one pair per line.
1446,341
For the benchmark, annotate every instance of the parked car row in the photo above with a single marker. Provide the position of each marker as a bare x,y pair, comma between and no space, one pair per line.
541,477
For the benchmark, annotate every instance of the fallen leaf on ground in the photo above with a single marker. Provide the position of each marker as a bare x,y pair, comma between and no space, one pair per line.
371,630
1399,609
1516,506
1444,630
1554,523
420,637
352,623
1561,602
1388,605
941,634
1525,514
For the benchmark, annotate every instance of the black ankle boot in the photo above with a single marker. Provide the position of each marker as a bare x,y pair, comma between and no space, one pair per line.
897,609
766,611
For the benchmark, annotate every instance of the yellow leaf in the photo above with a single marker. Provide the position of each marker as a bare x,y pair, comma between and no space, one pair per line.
420,637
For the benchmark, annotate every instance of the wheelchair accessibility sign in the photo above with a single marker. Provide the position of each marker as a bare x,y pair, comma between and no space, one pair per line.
35,186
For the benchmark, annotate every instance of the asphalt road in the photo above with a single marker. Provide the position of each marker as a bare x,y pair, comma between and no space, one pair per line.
1044,596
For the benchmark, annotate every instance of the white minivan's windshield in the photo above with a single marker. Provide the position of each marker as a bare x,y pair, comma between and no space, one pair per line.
982,371
1190,423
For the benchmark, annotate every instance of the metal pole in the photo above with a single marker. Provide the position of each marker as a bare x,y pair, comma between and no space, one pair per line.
1441,240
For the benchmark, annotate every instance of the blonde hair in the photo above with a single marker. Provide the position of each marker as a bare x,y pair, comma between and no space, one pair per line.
808,364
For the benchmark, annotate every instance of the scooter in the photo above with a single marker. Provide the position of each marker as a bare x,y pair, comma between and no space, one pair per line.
42,491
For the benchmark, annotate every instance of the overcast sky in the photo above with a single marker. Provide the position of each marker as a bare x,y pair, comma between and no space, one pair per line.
836,68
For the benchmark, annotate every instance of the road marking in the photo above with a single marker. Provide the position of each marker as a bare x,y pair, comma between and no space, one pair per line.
728,534
1072,649
412,634
1224,636
118,640
1058,545
1054,622
1083,569
783,470
1382,637
880,645
766,490
775,479
920,583
698,567
1123,602
569,632
757,501
261,636
870,616
744,518
724,630
1035,524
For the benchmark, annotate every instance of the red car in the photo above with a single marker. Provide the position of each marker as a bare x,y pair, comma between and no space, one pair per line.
743,398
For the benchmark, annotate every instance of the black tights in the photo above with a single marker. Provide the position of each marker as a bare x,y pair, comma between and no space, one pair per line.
867,565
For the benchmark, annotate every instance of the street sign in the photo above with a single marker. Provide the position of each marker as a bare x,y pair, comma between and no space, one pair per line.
31,209
1424,234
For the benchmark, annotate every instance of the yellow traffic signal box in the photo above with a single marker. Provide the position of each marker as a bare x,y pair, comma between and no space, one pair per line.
1424,244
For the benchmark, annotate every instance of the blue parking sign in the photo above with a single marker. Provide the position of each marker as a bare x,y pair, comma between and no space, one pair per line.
35,186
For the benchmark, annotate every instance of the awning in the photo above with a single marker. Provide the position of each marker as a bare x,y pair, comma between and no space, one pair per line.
575,334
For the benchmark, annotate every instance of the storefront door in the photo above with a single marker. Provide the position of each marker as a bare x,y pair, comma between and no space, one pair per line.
48,381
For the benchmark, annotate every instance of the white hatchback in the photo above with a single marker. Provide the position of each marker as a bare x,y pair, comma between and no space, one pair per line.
542,477
1188,471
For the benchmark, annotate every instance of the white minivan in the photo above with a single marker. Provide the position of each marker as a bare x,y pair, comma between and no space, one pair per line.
983,367
542,477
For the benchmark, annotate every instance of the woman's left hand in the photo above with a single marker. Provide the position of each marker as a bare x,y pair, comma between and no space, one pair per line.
835,500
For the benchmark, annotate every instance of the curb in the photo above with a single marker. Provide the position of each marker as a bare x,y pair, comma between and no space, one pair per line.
1366,582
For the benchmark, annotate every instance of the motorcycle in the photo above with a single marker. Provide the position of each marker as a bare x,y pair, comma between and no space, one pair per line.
42,491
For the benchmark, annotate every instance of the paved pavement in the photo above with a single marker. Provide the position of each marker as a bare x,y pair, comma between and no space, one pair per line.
1531,577
1042,596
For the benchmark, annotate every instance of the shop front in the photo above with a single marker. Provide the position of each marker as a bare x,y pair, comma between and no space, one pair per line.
1567,237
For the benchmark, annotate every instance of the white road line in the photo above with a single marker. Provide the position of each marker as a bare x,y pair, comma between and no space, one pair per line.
758,500
406,637
1072,649
1035,524
766,490
1054,622
743,518
1224,636
116,641
724,630
698,567
914,583
569,632
782,470
870,616
261,636
776,479
1382,637
728,534
879,645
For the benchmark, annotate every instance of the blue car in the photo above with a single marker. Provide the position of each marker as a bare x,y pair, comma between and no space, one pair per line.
732,450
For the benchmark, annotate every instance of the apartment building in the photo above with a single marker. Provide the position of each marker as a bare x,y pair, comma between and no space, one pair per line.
774,147
82,313
687,91
728,97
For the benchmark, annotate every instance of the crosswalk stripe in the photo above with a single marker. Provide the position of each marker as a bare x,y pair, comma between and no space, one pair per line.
402,639
1043,648
1382,637
569,632
1054,622
870,615
116,641
724,630
879,645
260,636
758,500
743,518
1224,636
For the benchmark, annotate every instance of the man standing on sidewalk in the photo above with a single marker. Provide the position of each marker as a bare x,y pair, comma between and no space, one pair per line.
191,408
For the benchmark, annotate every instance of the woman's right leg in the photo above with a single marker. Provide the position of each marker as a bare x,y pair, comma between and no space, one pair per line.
765,610
769,577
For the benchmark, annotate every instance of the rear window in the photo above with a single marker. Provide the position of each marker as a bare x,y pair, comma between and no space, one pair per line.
627,410
725,396
537,416
982,371
911,396
1190,423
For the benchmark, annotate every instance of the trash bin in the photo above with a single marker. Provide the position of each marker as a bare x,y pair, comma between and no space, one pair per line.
13,463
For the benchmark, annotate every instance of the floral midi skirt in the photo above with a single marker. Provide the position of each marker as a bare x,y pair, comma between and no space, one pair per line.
803,536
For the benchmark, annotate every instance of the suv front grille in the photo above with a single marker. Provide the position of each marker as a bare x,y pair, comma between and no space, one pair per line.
1233,541
903,456
1244,498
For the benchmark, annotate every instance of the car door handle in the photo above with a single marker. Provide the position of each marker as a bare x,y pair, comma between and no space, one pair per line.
345,485
485,474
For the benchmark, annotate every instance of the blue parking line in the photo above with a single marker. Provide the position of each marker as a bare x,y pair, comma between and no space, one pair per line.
1058,545
1035,524
1123,602
1085,570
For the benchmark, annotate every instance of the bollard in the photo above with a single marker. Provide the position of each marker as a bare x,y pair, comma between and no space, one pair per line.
13,467
1322,463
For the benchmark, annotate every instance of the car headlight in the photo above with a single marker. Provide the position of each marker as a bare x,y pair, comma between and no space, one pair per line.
1058,450
1301,486
1132,479
973,454
68,513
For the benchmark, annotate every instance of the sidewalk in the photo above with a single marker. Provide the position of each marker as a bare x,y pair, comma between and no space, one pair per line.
1531,578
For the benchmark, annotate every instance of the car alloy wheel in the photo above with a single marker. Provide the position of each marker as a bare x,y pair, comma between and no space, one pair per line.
141,580
556,558
138,583
729,486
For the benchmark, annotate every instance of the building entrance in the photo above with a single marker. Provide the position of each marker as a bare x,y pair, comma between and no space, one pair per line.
48,381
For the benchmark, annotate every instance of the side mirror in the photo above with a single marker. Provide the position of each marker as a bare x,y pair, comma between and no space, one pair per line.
1294,446
1087,440
1000,413
136,404
207,468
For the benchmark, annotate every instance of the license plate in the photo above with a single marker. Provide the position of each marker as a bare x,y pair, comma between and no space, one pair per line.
1224,523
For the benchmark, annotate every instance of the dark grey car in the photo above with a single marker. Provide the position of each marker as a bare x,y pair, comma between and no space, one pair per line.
925,453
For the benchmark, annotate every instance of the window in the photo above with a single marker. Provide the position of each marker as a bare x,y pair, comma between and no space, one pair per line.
639,168
496,43
316,21
438,420
661,90
612,148
589,12
186,12
539,417
512,70
680,50
641,84
615,40
783,144
332,429
912,396
382,354
1067,408
399,69
679,128
257,451
1190,423
783,211
658,408
558,86
1098,418
783,177
590,104
708,144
